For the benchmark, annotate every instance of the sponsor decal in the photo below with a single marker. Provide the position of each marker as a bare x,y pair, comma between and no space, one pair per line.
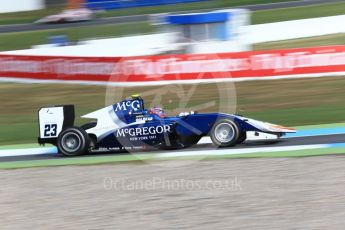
143,131
127,105
142,118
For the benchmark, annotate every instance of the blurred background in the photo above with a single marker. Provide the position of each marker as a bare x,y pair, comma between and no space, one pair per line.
282,60
49,30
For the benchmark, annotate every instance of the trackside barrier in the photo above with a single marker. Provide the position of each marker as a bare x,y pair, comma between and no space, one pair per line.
195,67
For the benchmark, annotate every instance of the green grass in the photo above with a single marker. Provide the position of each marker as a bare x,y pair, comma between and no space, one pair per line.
75,161
326,40
31,16
286,14
27,16
258,17
324,126
23,40
308,116
293,104
141,158
263,16
295,153
13,41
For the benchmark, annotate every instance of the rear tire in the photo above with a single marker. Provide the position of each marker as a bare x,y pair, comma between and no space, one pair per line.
225,133
73,141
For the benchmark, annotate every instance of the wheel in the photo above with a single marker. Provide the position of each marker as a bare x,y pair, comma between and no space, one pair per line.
73,141
225,133
242,137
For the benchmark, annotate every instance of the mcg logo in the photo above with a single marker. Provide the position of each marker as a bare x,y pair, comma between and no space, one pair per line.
127,105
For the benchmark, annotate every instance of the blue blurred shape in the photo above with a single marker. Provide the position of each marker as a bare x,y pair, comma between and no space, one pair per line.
119,4
199,18
204,26
58,40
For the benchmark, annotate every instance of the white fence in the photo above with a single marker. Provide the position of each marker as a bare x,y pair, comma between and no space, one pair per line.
160,43
7,6
295,29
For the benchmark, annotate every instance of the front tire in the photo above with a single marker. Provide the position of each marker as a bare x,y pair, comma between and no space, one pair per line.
225,133
73,141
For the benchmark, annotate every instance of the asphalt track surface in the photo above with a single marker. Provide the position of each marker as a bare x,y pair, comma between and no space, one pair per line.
312,140
270,193
137,18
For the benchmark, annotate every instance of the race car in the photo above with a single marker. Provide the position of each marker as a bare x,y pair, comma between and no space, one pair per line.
128,125
70,15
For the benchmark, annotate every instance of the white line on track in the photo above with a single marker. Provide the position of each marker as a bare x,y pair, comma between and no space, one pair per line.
230,151
204,140
213,152
27,152
158,83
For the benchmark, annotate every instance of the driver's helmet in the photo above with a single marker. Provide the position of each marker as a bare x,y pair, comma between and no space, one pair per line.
159,111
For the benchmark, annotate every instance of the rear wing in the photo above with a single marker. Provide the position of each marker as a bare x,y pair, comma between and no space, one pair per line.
52,120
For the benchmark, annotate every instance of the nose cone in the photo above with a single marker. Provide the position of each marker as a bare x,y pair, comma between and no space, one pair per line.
282,129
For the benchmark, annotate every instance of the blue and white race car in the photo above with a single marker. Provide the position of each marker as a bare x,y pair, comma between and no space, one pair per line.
128,125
